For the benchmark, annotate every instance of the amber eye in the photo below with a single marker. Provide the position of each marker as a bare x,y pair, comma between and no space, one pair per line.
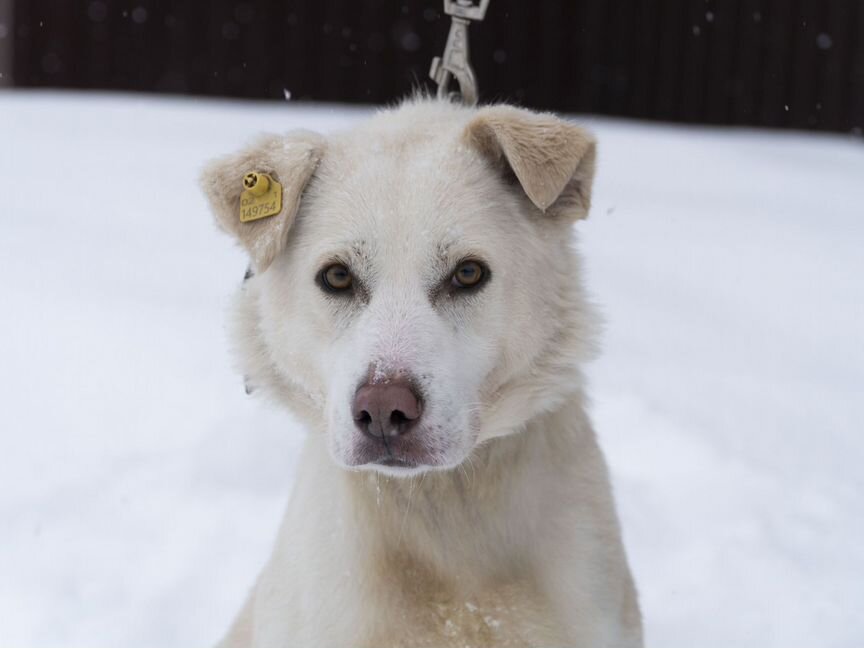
336,278
468,274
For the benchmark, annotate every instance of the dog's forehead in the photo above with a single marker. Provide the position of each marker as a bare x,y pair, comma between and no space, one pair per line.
408,190
388,163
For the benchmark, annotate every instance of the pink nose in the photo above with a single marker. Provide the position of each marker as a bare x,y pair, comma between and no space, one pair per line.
386,409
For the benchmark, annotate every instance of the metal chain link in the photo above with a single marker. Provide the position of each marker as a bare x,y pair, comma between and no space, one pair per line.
456,63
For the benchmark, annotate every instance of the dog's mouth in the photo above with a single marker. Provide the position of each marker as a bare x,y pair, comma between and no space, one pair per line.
399,466
372,458
395,462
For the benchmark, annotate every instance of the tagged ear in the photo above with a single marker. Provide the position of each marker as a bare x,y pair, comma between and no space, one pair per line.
290,160
552,159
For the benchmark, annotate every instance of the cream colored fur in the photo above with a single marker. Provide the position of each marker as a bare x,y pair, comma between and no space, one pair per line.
509,536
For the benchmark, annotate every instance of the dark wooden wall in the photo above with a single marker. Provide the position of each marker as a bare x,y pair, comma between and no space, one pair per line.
779,63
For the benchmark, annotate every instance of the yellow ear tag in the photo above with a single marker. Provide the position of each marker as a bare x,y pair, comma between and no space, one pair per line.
261,197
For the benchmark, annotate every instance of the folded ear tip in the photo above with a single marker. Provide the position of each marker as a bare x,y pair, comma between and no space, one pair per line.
541,200
544,151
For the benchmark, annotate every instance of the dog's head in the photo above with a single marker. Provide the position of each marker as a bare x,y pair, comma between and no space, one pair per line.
417,294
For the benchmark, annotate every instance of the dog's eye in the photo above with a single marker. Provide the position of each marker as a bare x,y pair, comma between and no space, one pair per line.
468,274
336,278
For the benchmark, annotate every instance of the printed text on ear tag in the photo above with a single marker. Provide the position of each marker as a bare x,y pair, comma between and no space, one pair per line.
261,197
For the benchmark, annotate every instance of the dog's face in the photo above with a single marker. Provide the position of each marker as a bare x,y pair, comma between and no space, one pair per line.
408,298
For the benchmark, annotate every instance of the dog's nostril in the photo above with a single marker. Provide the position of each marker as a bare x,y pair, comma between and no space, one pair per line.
364,418
398,418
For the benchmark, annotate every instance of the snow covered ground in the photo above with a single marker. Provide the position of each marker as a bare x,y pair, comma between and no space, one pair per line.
140,488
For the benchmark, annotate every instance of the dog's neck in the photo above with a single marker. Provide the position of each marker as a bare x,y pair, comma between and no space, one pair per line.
499,494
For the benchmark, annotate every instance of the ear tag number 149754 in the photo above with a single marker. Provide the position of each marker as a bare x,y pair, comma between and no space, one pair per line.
261,197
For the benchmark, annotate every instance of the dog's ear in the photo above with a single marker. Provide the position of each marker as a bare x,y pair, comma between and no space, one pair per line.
290,160
552,159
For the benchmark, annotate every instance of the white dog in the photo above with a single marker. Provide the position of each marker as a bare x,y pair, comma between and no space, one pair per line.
417,301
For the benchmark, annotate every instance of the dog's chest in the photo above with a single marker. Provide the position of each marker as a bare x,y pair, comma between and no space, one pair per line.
505,616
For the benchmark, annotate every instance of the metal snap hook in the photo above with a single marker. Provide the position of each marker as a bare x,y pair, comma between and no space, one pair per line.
455,64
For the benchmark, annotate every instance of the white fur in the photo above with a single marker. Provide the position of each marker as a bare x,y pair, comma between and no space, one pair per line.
508,535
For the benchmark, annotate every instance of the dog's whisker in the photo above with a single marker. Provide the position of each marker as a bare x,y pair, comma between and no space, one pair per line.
470,460
407,511
464,472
